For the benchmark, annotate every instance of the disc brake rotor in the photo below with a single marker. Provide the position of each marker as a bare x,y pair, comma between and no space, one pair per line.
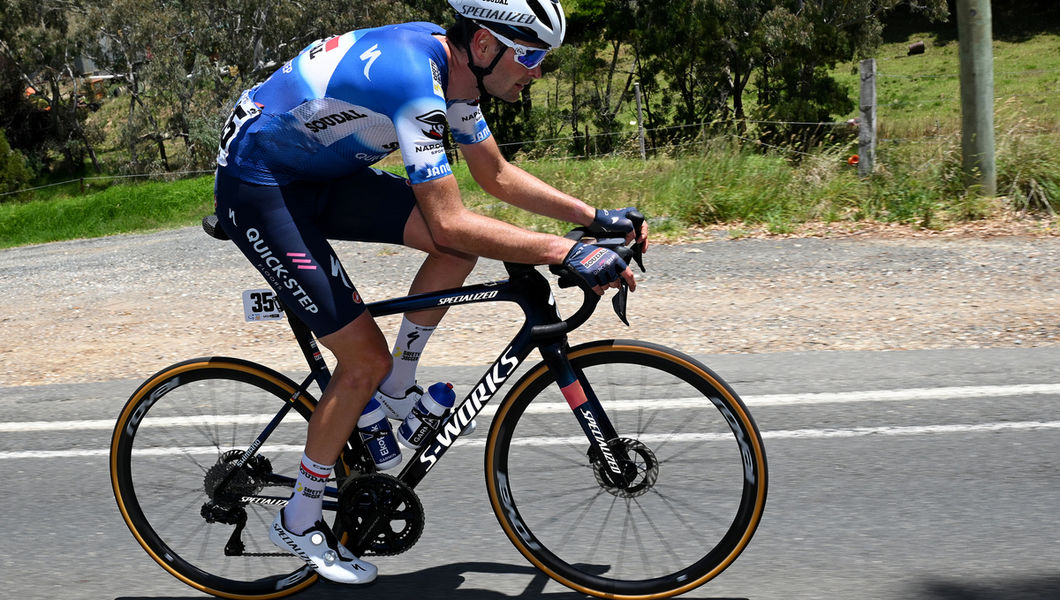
642,470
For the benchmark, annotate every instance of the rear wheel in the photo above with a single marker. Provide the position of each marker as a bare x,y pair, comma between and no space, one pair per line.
176,471
689,508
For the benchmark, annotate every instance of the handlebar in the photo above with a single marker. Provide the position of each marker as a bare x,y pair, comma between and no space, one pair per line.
634,253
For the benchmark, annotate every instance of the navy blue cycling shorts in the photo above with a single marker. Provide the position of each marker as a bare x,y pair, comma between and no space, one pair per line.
284,231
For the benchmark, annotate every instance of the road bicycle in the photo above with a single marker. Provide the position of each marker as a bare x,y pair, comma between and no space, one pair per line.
619,468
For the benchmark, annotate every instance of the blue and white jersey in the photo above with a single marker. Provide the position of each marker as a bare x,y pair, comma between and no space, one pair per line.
346,102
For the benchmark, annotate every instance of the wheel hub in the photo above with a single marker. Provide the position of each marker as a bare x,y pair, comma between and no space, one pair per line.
641,471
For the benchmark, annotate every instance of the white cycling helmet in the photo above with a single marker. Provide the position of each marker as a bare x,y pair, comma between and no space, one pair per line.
531,20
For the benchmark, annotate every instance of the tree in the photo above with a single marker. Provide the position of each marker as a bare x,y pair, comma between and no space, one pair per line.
14,174
182,63
800,42
600,33
43,110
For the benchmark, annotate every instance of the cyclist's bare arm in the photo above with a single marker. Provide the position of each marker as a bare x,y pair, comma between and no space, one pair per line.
452,225
505,181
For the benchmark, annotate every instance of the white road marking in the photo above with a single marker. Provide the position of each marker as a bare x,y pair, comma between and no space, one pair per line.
909,395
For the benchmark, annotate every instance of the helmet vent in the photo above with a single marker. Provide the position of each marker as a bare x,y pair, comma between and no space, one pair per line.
541,14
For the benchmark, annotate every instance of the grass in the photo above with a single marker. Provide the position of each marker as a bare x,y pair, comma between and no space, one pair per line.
119,209
918,181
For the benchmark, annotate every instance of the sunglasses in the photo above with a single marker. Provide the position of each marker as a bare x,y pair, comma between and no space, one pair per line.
527,56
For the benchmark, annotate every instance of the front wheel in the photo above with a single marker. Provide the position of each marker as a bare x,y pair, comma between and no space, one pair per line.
196,506
691,509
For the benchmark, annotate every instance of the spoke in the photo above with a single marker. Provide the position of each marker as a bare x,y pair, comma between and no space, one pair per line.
548,451
171,442
627,524
659,533
578,519
551,498
680,507
167,520
603,525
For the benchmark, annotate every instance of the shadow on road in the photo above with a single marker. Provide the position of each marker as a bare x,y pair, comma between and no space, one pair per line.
435,583
1045,587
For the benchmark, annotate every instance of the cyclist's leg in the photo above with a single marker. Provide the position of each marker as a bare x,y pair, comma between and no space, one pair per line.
384,210
441,269
276,228
363,360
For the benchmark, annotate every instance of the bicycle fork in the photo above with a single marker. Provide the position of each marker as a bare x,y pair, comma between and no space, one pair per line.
611,456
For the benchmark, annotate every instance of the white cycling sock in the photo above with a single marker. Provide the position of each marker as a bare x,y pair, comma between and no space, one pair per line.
411,339
304,508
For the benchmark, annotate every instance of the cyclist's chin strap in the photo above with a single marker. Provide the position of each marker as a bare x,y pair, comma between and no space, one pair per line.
480,72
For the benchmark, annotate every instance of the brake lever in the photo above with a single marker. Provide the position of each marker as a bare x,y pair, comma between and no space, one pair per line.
638,255
618,301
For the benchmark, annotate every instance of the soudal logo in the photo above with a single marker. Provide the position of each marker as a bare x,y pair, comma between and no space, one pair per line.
333,119
594,258
468,298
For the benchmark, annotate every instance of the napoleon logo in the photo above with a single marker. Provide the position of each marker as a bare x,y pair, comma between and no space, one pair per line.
436,122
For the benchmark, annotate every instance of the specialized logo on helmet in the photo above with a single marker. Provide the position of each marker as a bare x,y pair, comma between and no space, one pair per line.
500,16
435,120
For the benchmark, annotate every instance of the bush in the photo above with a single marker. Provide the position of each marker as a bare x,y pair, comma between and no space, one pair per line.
14,172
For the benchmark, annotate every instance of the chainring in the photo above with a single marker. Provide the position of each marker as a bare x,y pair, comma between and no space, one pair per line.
380,514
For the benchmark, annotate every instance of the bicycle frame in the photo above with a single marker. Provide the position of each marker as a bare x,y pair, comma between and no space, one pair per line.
593,548
542,328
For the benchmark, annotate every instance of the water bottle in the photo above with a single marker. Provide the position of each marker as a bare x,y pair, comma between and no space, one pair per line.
378,436
426,415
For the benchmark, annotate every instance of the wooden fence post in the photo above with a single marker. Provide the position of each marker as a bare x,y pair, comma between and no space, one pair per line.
867,121
977,94
640,122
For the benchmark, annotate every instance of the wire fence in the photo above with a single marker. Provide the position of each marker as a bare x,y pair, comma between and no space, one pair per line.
628,145
82,180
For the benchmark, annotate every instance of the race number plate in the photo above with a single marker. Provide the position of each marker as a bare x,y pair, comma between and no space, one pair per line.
261,305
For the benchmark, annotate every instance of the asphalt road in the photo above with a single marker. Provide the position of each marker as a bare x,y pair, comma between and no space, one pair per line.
916,475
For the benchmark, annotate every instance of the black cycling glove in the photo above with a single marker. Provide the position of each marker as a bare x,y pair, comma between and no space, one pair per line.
595,265
612,220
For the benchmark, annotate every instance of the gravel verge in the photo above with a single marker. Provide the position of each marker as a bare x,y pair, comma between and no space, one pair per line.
123,307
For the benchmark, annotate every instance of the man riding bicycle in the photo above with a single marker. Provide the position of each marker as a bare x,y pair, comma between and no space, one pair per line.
294,171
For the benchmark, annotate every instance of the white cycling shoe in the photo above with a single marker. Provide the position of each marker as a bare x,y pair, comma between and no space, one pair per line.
321,550
399,408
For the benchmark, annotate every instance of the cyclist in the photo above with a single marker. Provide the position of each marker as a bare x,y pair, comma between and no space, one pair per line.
294,171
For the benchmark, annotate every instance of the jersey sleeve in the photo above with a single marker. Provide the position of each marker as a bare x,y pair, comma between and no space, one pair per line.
420,120
467,123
